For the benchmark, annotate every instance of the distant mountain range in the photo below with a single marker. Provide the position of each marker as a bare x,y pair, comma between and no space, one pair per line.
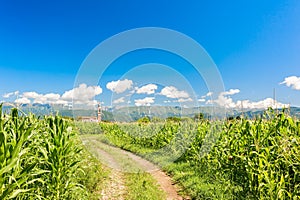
132,113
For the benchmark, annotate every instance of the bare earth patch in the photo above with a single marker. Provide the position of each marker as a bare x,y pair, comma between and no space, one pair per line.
114,187
121,161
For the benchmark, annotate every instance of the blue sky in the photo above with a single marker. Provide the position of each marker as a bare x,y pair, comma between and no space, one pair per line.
255,45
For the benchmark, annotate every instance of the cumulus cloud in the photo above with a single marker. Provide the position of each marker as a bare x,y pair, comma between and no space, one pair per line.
292,81
181,100
147,101
263,104
147,89
31,95
52,96
22,100
82,94
119,86
201,100
90,103
60,102
230,92
226,101
7,95
119,100
223,101
173,92
209,94
40,100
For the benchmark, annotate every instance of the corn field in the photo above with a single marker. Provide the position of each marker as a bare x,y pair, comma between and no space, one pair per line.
38,158
251,159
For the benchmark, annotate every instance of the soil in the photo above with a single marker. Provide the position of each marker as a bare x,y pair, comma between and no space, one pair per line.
121,161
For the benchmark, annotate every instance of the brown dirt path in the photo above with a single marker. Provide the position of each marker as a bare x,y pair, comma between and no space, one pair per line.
123,161
114,188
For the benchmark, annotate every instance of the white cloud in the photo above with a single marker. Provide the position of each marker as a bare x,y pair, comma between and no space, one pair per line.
181,100
41,100
209,102
91,103
230,92
31,95
263,104
292,81
173,92
147,89
225,101
22,100
119,86
7,95
147,101
209,94
119,100
52,96
201,100
61,102
82,94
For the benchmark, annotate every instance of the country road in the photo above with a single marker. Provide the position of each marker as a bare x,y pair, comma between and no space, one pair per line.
123,163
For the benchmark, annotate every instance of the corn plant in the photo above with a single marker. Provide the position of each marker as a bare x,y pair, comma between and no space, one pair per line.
18,170
38,158
61,157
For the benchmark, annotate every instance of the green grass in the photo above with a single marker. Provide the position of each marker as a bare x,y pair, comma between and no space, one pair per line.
93,175
142,186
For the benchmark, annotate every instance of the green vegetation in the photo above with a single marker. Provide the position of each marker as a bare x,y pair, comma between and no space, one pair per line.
138,184
42,159
144,120
252,159
93,176
142,186
173,119
88,127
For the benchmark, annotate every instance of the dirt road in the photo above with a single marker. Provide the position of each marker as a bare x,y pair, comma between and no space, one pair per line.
121,162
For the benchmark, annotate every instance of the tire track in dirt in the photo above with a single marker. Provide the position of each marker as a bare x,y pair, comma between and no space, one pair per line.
115,158
114,187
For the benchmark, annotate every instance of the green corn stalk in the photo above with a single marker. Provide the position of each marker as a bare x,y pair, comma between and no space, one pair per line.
39,158
18,174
